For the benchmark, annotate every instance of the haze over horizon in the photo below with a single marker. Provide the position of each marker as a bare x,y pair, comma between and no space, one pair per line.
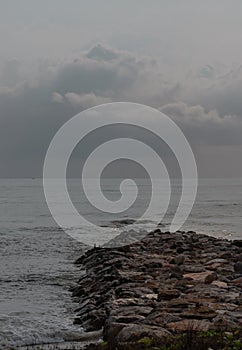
183,58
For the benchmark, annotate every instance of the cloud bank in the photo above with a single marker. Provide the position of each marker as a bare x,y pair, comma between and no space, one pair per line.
206,103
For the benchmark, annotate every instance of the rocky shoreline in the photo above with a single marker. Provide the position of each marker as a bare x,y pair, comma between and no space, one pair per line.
159,287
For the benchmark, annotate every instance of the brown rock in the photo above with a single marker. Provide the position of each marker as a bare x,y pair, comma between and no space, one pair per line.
237,281
164,294
195,325
200,276
199,313
220,284
161,318
210,278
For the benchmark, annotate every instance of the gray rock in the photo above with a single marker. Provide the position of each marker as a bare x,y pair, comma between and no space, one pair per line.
131,310
133,333
193,268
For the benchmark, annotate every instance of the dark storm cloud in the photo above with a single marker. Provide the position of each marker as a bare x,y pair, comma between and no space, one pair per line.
32,112
208,107
103,72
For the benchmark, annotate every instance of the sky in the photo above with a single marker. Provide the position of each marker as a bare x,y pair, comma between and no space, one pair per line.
58,58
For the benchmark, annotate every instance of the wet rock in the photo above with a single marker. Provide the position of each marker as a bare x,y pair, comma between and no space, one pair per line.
158,230
95,320
124,222
133,333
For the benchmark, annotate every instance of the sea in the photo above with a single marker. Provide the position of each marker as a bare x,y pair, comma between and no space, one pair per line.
37,257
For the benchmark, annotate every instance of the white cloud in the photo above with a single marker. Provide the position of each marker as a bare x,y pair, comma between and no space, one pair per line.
58,98
207,127
85,100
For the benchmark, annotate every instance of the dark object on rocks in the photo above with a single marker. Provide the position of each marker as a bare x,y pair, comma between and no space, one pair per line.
178,260
123,222
166,294
238,267
237,242
210,278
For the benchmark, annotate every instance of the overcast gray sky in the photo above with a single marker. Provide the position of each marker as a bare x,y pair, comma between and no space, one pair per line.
59,57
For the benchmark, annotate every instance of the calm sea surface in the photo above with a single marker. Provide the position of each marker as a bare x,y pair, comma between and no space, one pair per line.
36,256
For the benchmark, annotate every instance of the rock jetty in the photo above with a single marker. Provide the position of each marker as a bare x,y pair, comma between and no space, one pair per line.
160,286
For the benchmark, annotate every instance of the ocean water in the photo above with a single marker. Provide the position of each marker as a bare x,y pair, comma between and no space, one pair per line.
36,256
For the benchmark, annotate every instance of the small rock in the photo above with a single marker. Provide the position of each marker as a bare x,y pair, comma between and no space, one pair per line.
220,284
194,268
157,230
200,277
216,261
176,273
178,260
239,257
164,294
210,278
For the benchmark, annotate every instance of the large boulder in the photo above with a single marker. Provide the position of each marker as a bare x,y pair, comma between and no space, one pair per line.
133,333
